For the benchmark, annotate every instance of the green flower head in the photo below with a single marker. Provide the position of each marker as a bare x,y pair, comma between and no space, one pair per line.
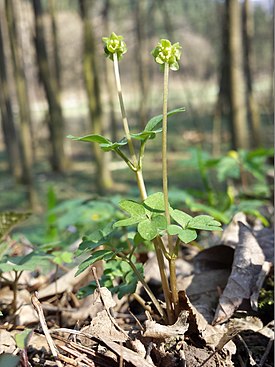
166,53
114,44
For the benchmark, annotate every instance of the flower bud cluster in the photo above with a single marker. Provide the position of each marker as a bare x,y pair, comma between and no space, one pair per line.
114,44
166,53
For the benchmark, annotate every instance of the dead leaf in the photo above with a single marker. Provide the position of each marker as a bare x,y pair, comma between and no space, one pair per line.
247,265
158,331
103,325
126,354
7,342
202,289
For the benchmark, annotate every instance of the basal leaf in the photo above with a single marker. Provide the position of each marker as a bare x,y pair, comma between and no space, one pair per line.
159,221
132,207
173,229
155,202
198,207
136,210
204,222
187,235
180,217
147,230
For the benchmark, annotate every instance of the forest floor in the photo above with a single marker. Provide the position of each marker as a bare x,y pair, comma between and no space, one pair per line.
102,330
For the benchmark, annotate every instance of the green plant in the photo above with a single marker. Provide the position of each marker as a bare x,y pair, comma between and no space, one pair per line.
234,182
147,220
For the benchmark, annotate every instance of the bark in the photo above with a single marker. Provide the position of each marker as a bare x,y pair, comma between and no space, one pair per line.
23,103
237,90
56,122
92,83
252,108
8,125
56,58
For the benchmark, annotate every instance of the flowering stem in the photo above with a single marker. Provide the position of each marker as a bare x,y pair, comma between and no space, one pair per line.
172,265
142,189
138,171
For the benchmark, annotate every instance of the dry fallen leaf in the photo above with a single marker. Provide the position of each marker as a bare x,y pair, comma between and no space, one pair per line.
247,266
158,331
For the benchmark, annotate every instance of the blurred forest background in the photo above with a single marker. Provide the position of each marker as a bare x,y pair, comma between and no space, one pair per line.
55,81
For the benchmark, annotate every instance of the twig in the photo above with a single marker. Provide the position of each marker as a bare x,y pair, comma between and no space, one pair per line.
79,357
37,306
266,353
136,319
106,308
251,359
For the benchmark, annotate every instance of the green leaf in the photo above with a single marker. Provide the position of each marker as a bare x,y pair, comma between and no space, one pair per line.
204,222
180,217
96,256
9,360
92,138
136,210
156,120
159,221
144,135
185,235
155,202
147,230
104,143
198,207
23,338
29,262
113,146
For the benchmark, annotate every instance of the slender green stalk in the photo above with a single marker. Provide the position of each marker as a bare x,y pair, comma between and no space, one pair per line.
123,111
138,171
146,287
142,189
172,265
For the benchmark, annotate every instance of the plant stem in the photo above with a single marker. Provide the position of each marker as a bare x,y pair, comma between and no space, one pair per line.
164,149
146,287
139,176
172,265
143,194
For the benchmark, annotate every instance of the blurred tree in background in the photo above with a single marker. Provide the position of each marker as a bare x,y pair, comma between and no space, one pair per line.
225,78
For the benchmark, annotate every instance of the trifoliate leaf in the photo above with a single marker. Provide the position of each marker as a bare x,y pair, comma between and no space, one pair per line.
155,202
205,222
180,217
136,210
185,235
147,230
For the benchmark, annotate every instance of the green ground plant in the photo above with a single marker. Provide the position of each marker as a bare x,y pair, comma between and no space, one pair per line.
237,181
148,221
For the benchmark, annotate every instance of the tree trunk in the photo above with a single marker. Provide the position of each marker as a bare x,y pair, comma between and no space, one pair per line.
252,108
240,136
56,58
91,77
8,126
56,122
23,102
